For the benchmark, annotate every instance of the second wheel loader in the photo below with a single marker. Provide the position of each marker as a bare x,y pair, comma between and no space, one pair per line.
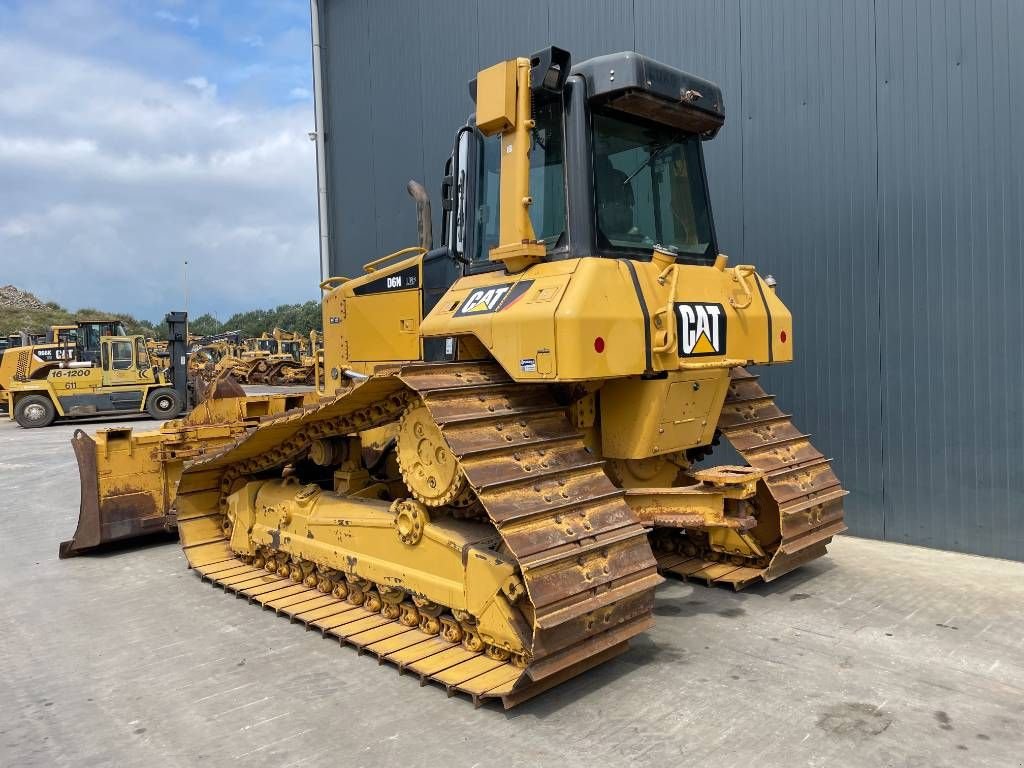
514,436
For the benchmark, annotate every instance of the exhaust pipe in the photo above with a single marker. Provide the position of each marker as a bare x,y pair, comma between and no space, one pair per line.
424,228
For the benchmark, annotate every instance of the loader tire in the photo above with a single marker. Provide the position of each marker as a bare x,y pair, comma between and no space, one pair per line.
35,411
164,403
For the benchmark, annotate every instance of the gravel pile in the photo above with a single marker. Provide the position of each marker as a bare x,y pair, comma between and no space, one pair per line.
12,298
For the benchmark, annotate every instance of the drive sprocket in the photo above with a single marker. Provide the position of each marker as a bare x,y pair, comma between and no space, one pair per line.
429,469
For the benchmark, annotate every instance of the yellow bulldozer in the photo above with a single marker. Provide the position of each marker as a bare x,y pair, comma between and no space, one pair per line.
285,362
514,435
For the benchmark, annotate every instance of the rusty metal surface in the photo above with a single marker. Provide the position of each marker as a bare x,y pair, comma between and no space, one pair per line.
128,515
427,657
800,498
87,533
585,560
127,488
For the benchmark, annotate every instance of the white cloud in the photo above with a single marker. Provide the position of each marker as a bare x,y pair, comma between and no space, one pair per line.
189,21
300,93
109,178
205,88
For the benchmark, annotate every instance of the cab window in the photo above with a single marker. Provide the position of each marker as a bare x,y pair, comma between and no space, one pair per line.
142,354
486,217
547,183
649,189
121,355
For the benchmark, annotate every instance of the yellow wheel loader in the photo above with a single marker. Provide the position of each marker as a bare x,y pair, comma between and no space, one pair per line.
101,375
513,436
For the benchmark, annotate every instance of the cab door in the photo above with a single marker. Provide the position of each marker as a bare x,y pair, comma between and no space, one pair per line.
119,363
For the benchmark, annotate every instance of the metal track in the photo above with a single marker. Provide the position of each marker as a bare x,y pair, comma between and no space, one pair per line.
800,497
585,560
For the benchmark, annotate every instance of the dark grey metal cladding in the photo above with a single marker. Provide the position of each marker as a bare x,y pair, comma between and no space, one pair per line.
869,163
950,97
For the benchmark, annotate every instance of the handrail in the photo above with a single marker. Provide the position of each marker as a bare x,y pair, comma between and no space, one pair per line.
371,266
707,365
740,274
329,283
669,310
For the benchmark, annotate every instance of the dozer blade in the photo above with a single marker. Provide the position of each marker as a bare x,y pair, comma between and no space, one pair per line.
129,481
137,509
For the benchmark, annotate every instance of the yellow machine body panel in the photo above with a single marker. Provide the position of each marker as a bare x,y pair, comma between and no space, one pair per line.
373,320
383,326
585,319
568,320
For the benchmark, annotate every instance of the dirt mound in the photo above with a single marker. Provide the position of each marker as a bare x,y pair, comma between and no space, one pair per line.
12,298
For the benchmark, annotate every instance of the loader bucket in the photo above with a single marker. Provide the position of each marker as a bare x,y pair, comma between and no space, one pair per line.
131,507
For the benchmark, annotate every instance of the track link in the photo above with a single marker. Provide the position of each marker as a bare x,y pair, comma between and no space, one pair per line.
585,560
800,500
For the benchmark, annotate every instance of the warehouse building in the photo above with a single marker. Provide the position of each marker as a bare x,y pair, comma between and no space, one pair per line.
870,161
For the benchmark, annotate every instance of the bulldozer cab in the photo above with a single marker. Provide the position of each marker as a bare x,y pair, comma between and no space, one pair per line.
266,344
615,163
293,349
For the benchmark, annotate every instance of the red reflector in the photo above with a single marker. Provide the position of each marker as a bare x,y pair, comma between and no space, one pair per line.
599,344
782,336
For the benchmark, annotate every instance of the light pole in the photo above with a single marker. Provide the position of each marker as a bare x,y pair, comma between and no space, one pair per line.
184,275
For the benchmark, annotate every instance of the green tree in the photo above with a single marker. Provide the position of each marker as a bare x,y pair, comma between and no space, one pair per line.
205,325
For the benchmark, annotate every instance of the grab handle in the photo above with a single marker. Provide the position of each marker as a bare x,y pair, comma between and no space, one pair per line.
740,274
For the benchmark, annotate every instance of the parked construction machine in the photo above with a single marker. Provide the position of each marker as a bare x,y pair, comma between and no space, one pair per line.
29,356
96,370
285,364
515,431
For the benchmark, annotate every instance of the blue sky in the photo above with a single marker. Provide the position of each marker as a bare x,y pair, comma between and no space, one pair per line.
134,135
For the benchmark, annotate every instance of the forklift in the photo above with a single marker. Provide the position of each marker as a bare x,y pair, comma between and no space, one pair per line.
106,374
28,353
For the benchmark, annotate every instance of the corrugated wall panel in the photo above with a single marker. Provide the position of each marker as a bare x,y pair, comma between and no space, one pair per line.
950,175
346,55
591,27
507,29
810,219
396,120
871,160
703,37
446,103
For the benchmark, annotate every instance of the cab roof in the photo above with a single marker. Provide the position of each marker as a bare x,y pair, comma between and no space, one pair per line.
637,84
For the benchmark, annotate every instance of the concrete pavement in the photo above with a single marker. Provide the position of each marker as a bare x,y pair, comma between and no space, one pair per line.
880,655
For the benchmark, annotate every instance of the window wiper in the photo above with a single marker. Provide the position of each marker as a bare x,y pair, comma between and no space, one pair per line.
654,155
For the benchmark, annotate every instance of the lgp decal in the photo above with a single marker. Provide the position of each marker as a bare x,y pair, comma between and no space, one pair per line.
403,280
492,298
701,329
